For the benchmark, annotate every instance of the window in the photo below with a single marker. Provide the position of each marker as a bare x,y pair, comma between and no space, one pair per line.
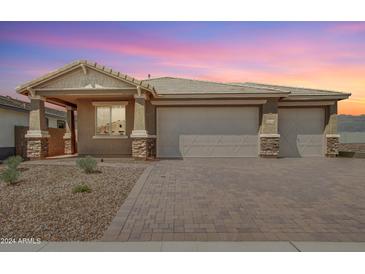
60,124
110,119
47,122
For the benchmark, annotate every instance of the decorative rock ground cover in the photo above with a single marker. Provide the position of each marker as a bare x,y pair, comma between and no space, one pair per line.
43,205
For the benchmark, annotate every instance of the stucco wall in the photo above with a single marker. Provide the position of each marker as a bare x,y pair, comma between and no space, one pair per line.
269,117
86,130
9,119
150,118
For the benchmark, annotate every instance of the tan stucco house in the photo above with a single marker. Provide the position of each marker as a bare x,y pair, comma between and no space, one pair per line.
14,113
173,117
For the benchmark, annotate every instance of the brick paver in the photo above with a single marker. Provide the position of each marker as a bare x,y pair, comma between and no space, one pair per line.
247,199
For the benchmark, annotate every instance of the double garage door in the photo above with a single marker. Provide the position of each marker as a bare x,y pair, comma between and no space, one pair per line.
301,132
233,132
207,131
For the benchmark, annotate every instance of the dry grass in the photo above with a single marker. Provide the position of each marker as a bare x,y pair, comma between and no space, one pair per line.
43,205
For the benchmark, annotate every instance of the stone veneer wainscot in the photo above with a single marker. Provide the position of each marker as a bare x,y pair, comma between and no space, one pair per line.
144,148
269,145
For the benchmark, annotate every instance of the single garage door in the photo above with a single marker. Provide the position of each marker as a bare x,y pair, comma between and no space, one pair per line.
301,132
207,131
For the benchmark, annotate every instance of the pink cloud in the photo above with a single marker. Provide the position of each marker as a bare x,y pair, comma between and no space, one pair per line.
265,50
291,60
353,27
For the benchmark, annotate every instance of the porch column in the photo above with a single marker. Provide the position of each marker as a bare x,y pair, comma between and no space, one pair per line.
143,144
269,138
331,136
37,135
70,137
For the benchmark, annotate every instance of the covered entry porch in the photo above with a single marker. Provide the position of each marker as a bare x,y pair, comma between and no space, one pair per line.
91,90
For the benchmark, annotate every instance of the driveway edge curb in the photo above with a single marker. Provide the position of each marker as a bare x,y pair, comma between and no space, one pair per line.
116,226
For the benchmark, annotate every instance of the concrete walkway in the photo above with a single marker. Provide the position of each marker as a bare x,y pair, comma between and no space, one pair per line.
170,246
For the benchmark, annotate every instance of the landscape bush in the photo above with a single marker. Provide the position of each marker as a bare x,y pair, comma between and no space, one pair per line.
10,176
81,188
13,161
87,164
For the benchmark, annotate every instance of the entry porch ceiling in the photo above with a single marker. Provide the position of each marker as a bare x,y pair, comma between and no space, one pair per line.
69,96
71,100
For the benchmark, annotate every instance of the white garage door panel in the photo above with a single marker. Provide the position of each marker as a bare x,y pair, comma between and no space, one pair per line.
301,132
207,131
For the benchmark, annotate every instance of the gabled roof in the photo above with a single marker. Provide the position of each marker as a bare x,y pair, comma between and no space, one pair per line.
185,87
295,91
81,64
8,102
173,86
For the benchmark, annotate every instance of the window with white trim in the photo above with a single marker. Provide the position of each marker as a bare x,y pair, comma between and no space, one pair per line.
110,119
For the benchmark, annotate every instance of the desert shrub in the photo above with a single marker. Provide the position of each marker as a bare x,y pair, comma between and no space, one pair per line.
81,188
13,161
10,175
87,164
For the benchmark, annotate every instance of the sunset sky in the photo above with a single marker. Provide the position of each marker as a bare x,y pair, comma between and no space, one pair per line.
307,54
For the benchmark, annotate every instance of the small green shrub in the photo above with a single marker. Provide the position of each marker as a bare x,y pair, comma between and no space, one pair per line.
13,161
87,164
81,188
10,176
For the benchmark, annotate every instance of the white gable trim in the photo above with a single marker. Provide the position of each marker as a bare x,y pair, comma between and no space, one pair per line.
84,65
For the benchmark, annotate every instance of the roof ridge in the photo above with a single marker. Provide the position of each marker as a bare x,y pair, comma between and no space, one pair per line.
157,78
189,79
247,84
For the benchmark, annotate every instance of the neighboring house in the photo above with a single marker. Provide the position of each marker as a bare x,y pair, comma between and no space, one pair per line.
172,117
13,113
352,131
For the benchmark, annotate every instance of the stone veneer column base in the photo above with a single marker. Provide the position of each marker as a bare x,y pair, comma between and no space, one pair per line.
37,148
144,148
332,141
68,146
269,145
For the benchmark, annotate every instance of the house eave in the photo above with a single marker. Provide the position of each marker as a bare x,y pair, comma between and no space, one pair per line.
220,95
86,91
19,109
14,108
225,102
47,114
316,97
306,103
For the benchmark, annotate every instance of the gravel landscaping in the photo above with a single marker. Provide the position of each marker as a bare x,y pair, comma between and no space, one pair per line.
43,204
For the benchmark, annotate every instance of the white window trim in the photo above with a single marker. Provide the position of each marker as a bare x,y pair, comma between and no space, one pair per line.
109,104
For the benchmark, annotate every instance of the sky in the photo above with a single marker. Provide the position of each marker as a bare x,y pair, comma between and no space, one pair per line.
325,55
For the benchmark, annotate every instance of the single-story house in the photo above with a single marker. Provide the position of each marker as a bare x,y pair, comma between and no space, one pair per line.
13,113
119,115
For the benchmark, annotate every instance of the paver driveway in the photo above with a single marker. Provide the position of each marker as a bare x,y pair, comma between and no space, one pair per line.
247,199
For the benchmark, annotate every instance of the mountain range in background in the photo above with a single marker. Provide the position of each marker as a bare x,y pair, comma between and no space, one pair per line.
350,123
